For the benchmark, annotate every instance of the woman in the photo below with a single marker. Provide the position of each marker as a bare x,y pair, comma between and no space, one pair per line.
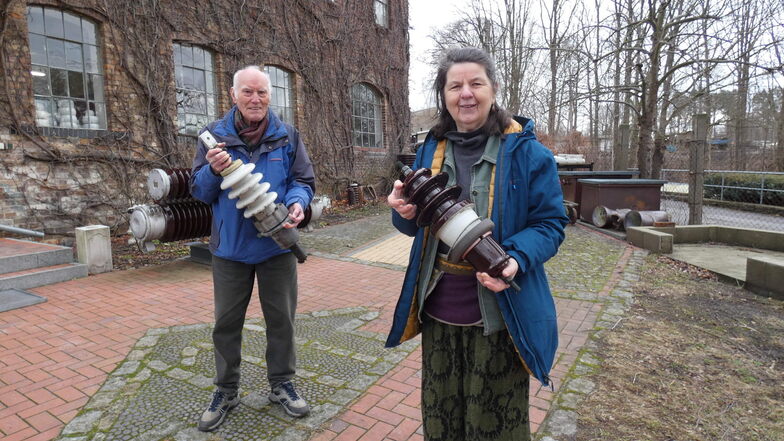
480,339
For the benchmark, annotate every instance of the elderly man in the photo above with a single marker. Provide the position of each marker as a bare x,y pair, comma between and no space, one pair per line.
254,134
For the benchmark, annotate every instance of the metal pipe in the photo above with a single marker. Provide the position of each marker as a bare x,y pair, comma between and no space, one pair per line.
21,231
644,218
606,217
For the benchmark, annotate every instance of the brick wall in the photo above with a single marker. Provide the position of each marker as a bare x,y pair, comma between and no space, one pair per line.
55,180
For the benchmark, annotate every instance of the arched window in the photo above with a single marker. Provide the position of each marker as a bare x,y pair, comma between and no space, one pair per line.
381,9
67,71
366,116
193,75
282,97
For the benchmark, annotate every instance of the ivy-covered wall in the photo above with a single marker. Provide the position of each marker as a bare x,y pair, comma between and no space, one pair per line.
54,180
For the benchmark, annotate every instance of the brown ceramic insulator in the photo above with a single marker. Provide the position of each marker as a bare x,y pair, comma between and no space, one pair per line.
437,204
445,212
168,232
441,202
487,256
420,191
414,179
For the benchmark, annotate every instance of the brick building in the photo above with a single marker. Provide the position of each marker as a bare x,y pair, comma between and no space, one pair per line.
95,94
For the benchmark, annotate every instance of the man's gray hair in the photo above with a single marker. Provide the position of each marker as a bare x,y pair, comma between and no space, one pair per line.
235,83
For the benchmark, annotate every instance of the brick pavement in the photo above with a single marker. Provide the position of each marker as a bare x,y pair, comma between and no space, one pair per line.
56,355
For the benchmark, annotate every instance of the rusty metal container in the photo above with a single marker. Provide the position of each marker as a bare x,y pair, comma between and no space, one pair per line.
634,194
572,188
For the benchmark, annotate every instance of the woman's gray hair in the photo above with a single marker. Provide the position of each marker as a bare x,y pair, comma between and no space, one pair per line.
235,80
498,118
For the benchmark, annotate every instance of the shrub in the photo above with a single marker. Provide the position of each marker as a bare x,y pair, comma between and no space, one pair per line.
742,187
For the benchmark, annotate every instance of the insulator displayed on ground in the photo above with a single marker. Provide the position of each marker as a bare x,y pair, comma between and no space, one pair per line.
644,218
170,222
604,217
169,184
355,196
257,202
571,211
454,223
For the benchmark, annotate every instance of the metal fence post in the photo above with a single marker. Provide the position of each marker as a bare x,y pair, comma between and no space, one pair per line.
697,167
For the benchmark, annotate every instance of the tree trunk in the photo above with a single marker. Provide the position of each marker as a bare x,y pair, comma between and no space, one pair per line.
780,137
619,157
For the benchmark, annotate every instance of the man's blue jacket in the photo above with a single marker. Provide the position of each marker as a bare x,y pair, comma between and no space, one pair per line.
529,220
281,159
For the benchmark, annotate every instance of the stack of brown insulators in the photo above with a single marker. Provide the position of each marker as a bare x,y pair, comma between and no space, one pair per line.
186,218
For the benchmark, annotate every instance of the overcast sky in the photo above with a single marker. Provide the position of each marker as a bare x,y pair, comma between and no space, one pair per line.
423,17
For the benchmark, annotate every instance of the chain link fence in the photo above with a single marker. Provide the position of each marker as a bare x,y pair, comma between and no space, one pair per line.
748,198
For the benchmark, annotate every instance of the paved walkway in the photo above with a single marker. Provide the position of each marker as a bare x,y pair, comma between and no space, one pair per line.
56,356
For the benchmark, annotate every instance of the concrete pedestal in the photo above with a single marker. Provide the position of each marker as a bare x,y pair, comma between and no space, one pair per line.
94,249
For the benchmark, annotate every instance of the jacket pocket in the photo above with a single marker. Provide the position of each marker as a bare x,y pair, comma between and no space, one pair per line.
215,239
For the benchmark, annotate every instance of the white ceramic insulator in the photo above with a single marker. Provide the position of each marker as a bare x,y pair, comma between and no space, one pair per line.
247,183
247,186
261,204
236,176
457,225
252,194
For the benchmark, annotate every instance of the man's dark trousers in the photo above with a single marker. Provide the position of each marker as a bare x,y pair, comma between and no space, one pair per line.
233,286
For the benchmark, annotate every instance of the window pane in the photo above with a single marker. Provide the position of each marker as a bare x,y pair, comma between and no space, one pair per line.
73,56
96,90
100,112
43,112
38,49
88,32
59,80
198,58
178,75
41,81
66,114
200,104
81,113
198,79
187,56
211,105
55,51
76,84
90,119
73,27
91,62
35,19
209,82
53,22
187,78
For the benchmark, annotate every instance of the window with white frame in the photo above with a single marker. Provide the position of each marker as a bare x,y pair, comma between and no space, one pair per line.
193,75
66,70
381,9
367,124
282,93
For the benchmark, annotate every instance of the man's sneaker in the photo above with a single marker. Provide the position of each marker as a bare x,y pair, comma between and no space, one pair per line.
287,396
221,404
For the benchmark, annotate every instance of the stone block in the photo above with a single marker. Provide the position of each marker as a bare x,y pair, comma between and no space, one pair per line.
94,249
657,242
635,235
765,275
694,233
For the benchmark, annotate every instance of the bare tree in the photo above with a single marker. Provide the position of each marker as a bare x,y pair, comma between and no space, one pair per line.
504,30
556,31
